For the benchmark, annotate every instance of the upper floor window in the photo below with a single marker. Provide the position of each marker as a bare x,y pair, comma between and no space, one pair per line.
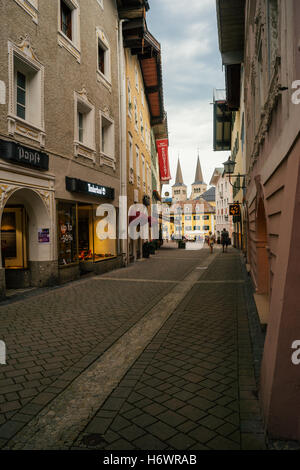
272,20
69,27
85,123
129,98
136,78
26,91
103,51
66,19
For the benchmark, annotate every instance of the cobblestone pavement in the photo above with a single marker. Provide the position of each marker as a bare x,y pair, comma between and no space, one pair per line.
52,337
192,387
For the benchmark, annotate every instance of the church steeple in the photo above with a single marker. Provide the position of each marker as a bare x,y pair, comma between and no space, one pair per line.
198,176
198,187
179,178
179,189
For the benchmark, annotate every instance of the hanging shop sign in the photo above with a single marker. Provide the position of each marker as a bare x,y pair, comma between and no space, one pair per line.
44,235
162,146
75,185
235,210
17,153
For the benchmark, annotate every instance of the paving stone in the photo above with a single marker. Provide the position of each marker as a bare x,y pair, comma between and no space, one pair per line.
98,426
9,429
221,443
161,430
171,418
181,442
202,434
155,409
132,432
174,404
191,412
211,422
148,441
144,420
253,441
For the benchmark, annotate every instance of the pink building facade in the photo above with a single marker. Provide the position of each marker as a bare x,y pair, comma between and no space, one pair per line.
259,42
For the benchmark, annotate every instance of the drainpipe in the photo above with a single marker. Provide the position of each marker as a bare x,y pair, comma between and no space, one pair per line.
122,140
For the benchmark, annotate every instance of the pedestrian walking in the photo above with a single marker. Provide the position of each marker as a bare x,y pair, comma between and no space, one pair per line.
211,241
224,240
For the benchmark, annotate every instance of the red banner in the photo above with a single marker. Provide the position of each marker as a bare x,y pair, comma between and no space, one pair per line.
163,160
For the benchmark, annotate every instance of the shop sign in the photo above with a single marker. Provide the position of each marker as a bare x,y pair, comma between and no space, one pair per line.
17,153
44,235
235,210
79,186
163,159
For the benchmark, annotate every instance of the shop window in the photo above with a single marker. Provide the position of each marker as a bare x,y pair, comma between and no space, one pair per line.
67,247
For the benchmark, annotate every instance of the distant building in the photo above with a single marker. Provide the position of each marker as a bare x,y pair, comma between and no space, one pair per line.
223,191
198,187
179,190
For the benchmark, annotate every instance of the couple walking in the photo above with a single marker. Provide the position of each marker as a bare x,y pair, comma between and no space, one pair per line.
224,240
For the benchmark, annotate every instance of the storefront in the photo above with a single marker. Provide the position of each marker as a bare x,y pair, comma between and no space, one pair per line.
27,218
79,247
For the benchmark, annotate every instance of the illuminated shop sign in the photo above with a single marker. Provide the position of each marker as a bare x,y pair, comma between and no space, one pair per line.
17,153
78,186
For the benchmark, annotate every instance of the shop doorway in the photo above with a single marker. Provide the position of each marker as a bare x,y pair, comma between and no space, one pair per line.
25,238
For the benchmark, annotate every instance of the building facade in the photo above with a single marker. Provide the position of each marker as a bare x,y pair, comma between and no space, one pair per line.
259,46
59,131
223,200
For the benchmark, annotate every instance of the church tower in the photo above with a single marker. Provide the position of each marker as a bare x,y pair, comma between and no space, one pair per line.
179,190
198,187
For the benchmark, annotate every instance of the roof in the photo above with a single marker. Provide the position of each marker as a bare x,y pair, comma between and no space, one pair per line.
231,23
218,172
179,178
205,207
210,195
198,176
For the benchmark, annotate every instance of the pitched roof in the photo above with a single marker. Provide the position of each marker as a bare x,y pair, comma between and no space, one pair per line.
207,208
210,194
179,178
198,176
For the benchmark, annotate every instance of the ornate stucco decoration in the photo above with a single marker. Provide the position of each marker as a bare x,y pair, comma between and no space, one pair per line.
6,191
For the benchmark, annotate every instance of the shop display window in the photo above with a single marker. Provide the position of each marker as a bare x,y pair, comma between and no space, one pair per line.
103,249
67,249
13,238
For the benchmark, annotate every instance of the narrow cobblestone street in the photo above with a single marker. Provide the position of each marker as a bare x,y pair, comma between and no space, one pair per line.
110,362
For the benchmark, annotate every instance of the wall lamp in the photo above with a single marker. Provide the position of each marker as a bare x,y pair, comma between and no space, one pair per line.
229,167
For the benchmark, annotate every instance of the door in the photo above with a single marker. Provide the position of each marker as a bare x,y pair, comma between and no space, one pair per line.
13,240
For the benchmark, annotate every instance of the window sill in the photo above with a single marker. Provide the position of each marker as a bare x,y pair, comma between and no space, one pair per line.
29,8
17,125
82,150
107,160
69,45
101,78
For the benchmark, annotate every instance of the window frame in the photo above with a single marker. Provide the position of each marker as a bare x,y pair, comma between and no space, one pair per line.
107,156
31,7
71,45
87,147
22,58
103,43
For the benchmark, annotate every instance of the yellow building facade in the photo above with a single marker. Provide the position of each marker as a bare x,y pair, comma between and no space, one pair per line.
139,182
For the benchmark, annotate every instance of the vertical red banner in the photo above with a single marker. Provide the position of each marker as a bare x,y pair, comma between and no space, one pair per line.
163,160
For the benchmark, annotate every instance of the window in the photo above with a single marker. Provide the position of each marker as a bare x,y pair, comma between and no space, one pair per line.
21,95
136,123
26,92
206,227
143,172
66,19
130,144
137,165
69,27
101,58
129,99
205,217
80,127
188,217
84,132
136,78
142,126
67,246
107,136
101,3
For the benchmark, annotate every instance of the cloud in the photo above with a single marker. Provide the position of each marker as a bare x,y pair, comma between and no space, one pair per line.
192,67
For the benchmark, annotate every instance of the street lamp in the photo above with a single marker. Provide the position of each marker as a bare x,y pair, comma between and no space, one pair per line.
229,167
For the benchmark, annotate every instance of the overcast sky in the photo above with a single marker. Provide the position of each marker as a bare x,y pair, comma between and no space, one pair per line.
192,68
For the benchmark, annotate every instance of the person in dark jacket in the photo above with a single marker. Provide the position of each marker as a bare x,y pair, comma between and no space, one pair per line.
224,240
